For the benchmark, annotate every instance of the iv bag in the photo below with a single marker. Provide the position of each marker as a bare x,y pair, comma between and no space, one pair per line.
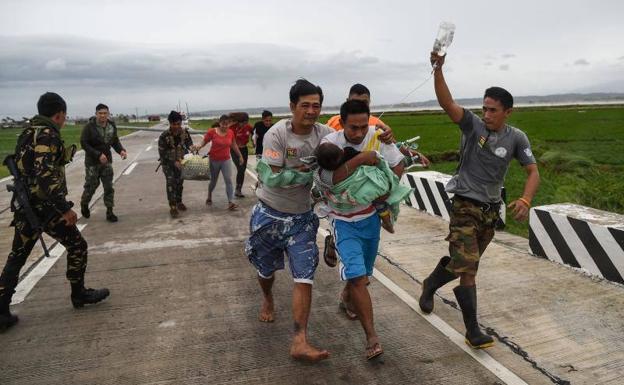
444,38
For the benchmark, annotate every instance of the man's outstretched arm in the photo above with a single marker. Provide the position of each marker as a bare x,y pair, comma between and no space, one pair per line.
445,99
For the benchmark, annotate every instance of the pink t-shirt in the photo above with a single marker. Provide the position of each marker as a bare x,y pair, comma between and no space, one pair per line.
221,145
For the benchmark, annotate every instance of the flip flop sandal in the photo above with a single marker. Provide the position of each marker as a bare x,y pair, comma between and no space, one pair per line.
232,207
349,313
373,351
329,252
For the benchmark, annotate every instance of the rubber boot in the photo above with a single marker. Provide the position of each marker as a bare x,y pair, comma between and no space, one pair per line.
438,278
110,216
173,210
6,318
84,210
81,296
467,299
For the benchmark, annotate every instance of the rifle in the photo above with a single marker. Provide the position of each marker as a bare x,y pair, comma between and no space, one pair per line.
21,200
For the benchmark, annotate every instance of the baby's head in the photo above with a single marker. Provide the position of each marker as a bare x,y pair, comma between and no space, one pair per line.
329,156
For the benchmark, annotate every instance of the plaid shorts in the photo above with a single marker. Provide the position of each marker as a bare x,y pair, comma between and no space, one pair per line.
275,235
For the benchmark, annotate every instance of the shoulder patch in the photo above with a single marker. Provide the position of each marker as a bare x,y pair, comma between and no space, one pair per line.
271,154
500,152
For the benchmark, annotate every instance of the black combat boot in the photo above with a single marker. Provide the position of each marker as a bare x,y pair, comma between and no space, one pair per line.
81,296
467,299
84,210
438,278
110,216
6,318
173,210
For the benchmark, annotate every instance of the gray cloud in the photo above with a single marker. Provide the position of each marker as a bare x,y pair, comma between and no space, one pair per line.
253,74
508,56
581,62
487,64
81,61
504,67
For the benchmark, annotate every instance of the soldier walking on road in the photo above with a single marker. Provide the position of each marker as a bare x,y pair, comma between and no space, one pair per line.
41,155
97,138
173,144
488,146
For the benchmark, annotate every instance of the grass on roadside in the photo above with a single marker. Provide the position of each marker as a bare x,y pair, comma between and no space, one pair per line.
70,134
580,153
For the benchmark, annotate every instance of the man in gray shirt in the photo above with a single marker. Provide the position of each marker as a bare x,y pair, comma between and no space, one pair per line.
282,222
488,146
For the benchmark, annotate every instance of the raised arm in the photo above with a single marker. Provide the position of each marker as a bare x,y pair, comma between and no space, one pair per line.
445,99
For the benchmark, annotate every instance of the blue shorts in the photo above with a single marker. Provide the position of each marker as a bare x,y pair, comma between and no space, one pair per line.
275,234
357,244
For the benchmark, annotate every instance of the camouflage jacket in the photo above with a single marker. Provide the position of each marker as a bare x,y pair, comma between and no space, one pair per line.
94,144
41,157
173,147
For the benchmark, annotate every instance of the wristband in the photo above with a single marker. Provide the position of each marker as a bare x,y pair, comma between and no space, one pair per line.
525,201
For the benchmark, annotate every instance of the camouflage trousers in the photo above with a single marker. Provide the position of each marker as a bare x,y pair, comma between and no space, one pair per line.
93,175
23,242
173,178
470,231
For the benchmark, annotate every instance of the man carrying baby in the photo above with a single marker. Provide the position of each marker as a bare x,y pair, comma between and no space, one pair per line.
356,229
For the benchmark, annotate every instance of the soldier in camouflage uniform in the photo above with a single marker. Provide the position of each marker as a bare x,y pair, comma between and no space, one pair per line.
488,145
173,144
41,156
97,138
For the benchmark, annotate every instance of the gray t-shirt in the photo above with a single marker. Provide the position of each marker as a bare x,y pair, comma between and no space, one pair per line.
486,157
283,148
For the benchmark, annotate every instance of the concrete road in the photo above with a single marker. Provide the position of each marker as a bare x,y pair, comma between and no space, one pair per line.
185,300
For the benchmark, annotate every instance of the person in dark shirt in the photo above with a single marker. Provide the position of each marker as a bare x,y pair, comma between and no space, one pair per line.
97,138
173,144
260,128
40,157
242,131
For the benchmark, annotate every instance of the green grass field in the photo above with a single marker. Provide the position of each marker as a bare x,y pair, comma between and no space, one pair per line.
580,152
69,133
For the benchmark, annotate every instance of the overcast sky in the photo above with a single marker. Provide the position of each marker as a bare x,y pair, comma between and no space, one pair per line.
236,54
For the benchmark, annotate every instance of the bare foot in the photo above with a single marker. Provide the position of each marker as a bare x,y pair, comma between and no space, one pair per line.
301,350
267,310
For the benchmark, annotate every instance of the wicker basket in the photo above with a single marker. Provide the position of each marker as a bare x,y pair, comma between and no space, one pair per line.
195,167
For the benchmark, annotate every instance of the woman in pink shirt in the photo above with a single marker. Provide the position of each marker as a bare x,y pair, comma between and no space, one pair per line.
223,140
